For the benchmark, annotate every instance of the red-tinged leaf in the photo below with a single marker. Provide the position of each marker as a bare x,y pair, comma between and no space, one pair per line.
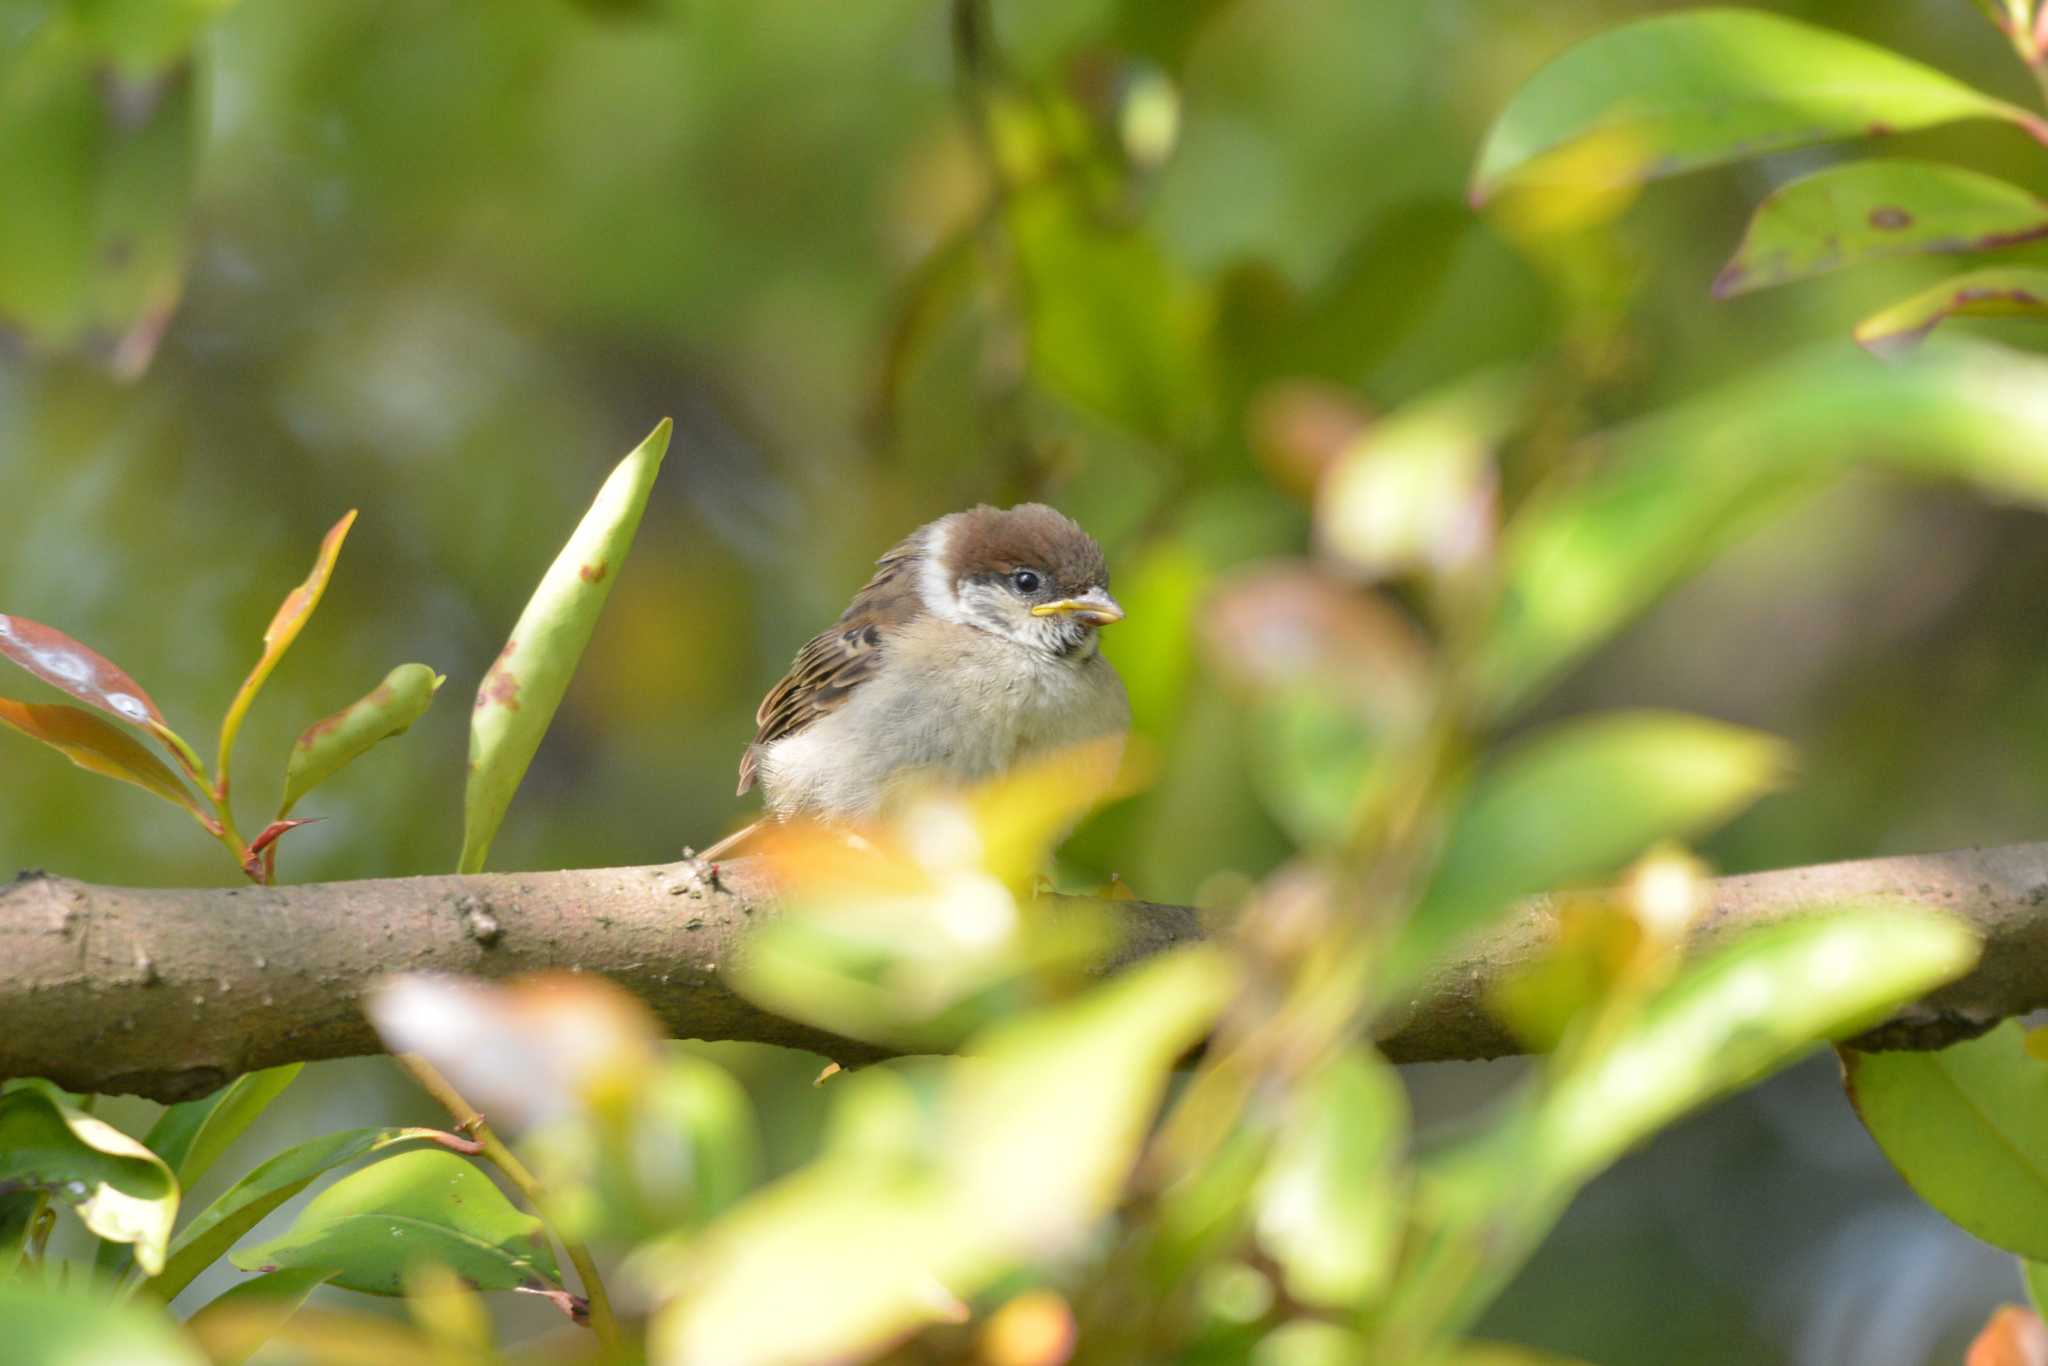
90,677
284,628
252,863
99,748
2013,1337
1995,292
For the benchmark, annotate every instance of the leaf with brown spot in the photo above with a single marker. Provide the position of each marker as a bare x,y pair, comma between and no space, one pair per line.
284,628
2000,292
99,748
332,743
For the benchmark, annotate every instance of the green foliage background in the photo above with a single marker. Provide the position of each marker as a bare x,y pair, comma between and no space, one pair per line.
448,261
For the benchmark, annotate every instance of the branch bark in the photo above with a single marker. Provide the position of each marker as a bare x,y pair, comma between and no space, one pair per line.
170,993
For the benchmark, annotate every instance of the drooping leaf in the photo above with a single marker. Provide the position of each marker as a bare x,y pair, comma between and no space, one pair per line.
285,624
97,747
93,679
119,1189
234,1323
1676,92
1672,490
331,744
1330,1201
1996,292
241,1206
1576,801
428,1205
1968,1129
1873,210
49,1324
519,694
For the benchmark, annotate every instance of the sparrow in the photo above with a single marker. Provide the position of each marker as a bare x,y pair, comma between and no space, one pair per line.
973,648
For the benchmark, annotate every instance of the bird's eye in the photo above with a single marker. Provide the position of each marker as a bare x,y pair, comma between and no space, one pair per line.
1024,581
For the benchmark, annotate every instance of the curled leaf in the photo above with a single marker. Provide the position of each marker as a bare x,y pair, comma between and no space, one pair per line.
519,694
97,747
119,1189
285,625
329,745
1999,292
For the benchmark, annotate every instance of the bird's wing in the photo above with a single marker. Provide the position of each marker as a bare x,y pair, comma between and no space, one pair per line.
835,662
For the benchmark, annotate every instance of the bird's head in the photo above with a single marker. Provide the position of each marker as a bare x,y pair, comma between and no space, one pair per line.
1027,573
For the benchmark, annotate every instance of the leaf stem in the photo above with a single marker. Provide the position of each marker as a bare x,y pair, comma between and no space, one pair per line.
469,1120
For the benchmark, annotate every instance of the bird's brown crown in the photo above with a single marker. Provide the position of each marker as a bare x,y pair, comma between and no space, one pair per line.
993,541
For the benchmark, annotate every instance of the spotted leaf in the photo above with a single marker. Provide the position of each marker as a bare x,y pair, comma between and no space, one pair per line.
90,677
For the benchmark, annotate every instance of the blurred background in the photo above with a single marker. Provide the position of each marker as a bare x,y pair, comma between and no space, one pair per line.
447,262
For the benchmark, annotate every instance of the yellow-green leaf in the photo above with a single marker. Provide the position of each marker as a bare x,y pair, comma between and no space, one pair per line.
120,1190
99,748
329,745
1996,292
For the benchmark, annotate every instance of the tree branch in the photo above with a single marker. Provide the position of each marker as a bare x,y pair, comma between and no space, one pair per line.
169,993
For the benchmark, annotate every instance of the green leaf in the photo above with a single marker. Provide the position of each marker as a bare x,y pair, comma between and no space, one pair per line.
1968,1129
285,624
94,260
1035,1135
234,1323
327,746
240,1207
1676,92
17,1211
142,37
1330,1201
1874,210
119,1189
2035,1275
192,1134
99,748
519,694
1587,554
423,1206
1997,292
1576,801
51,1325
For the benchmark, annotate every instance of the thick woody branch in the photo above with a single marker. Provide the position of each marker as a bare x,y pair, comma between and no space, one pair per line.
168,994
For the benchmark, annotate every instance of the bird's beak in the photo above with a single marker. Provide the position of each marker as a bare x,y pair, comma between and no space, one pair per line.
1095,607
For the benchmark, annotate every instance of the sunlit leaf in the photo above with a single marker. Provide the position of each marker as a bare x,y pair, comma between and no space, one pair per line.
1968,1129
52,1325
1705,86
1587,554
1330,1201
99,748
234,1323
426,1205
62,662
329,745
285,624
1576,801
1997,292
525,684
119,1189
242,1206
1872,210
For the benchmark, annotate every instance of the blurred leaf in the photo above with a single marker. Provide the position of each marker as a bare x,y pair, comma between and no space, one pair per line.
1038,1128
285,625
527,1051
423,1206
1968,1129
1310,1342
97,747
1872,210
2013,1337
1595,942
17,1211
1330,1204
242,1206
94,260
1582,558
1414,491
327,746
52,1325
142,37
2035,1275
1475,1353
234,1323
1576,801
448,1312
525,684
62,662
1997,292
119,1189
192,1134
1035,1328
1705,86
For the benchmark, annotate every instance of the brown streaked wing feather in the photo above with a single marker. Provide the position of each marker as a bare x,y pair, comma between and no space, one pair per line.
835,662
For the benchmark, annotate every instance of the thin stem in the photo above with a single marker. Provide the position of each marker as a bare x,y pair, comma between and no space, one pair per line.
469,1120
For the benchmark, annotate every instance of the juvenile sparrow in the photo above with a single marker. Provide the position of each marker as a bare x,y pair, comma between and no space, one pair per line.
971,649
